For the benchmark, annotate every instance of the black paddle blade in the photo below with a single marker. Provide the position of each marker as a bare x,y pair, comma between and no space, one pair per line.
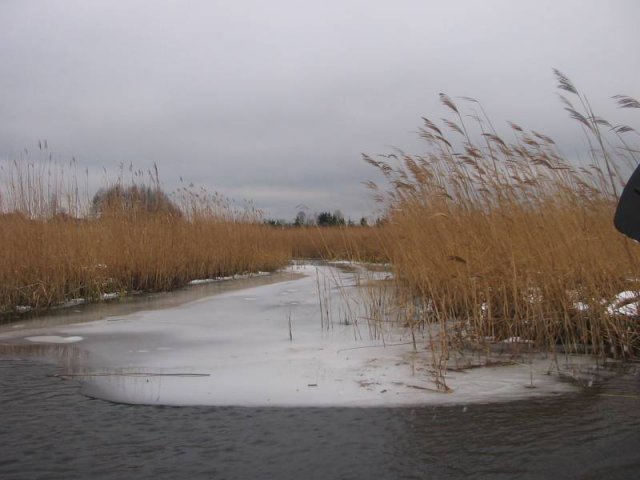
627,217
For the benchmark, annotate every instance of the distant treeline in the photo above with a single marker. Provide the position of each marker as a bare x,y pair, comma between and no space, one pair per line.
323,219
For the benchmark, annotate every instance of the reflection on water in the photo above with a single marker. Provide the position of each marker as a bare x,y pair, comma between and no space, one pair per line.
51,431
136,303
67,356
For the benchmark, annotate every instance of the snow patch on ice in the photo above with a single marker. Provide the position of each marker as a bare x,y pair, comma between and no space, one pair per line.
623,304
629,310
581,306
516,340
202,281
74,302
54,339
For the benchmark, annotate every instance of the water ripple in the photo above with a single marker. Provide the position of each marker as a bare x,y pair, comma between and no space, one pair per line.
48,430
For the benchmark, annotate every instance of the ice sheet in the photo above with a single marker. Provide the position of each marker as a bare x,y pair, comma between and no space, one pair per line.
53,339
271,345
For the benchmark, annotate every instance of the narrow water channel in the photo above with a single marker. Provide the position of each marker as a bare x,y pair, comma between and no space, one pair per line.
49,430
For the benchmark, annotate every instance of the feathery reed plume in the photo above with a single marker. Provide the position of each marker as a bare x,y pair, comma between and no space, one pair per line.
498,240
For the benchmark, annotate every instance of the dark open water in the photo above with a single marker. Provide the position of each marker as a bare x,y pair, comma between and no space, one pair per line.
48,430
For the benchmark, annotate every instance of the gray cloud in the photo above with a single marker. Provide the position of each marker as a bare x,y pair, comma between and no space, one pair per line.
276,100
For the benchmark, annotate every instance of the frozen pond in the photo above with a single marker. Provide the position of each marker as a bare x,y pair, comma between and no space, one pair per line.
305,340
267,386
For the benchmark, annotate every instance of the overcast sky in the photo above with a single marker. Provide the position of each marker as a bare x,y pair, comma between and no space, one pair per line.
276,100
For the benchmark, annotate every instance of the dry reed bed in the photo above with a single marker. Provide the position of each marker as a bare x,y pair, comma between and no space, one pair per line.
496,240
56,244
46,262
333,243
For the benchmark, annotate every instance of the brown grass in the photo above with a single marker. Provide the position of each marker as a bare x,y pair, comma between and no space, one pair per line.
46,262
492,238
56,244
332,243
